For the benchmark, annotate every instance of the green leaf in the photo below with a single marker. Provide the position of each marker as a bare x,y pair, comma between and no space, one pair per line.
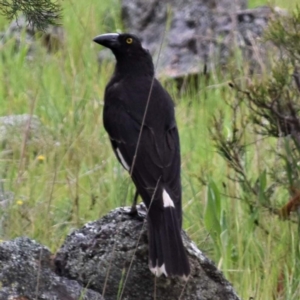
212,213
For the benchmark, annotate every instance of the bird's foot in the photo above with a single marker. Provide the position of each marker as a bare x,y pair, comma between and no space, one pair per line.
135,214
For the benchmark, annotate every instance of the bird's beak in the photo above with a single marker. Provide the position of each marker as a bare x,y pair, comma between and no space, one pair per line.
109,40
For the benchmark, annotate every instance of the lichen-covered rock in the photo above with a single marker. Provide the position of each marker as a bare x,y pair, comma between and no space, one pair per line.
15,130
197,33
111,257
15,126
52,38
18,129
6,200
26,273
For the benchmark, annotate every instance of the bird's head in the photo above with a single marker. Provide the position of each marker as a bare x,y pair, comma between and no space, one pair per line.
128,51
124,43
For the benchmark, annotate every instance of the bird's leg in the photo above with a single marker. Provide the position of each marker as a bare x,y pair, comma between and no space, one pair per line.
133,210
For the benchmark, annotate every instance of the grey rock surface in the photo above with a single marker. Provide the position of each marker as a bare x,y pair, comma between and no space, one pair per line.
26,273
52,38
6,200
197,33
14,128
111,257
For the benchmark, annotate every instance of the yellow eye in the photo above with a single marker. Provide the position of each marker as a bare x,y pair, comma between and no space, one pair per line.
129,40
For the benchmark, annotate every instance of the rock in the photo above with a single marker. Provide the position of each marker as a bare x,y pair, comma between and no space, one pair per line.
26,273
14,127
6,200
198,32
112,253
18,122
52,38
14,130
95,260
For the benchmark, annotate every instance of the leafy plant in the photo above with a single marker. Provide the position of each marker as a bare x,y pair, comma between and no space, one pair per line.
39,13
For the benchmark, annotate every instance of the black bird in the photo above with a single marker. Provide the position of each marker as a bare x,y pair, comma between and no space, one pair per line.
146,142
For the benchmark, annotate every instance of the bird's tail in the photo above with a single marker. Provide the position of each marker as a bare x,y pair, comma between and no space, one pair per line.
167,254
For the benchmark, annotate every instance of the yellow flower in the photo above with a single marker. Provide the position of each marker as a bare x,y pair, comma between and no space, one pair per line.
41,158
20,202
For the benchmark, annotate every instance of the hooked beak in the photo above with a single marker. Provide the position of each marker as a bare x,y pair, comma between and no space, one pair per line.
109,40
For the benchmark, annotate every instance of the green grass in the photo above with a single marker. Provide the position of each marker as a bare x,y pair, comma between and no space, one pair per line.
287,4
80,179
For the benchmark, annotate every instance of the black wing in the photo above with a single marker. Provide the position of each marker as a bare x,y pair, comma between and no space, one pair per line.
158,153
156,167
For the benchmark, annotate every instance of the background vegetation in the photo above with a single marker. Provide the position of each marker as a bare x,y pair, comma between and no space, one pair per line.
71,176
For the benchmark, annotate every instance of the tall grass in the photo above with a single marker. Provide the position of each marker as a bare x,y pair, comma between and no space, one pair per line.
80,179
288,4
